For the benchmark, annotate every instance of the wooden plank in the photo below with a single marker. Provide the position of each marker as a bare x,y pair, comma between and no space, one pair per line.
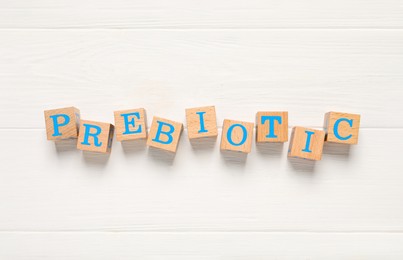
200,246
45,187
207,14
241,72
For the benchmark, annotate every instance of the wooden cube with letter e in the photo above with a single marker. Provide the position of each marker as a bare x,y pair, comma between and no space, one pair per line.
130,124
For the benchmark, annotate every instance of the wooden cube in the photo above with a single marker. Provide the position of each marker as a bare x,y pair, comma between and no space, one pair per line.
164,134
306,143
130,124
271,127
95,136
342,128
237,136
62,123
201,122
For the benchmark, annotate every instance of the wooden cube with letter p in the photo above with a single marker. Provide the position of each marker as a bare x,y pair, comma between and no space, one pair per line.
62,123
95,136
236,136
201,122
130,124
271,127
164,134
342,127
306,143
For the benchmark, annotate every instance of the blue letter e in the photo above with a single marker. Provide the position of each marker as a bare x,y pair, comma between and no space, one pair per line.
130,122
168,133
57,124
87,134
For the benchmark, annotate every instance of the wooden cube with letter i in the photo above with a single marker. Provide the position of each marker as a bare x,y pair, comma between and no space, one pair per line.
130,124
271,127
164,134
201,122
306,143
237,136
95,136
342,127
62,123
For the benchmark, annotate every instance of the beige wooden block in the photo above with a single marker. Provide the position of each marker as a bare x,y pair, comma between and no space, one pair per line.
130,124
201,122
95,136
164,134
306,143
237,136
271,127
62,123
342,128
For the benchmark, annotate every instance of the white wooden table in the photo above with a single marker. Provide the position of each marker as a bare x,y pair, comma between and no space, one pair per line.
306,57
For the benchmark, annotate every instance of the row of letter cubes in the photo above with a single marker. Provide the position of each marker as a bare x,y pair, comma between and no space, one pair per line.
201,122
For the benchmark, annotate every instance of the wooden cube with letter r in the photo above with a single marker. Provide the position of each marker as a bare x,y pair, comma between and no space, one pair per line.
95,136
164,134
306,143
342,128
62,123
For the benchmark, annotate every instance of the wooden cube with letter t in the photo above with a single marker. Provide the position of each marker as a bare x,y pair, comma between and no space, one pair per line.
236,136
130,124
62,123
306,143
342,127
164,134
271,127
95,136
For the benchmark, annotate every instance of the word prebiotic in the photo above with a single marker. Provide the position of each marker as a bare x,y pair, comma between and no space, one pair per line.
236,135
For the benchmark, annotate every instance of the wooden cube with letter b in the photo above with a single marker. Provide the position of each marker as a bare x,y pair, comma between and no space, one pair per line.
237,136
271,127
95,136
62,123
306,143
164,134
130,124
342,127
201,122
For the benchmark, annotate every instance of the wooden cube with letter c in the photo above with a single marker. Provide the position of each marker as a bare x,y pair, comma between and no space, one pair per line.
306,143
62,123
237,136
95,136
164,134
342,128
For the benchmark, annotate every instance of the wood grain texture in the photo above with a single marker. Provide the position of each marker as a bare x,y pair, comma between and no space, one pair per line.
200,246
306,57
208,14
304,72
58,188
